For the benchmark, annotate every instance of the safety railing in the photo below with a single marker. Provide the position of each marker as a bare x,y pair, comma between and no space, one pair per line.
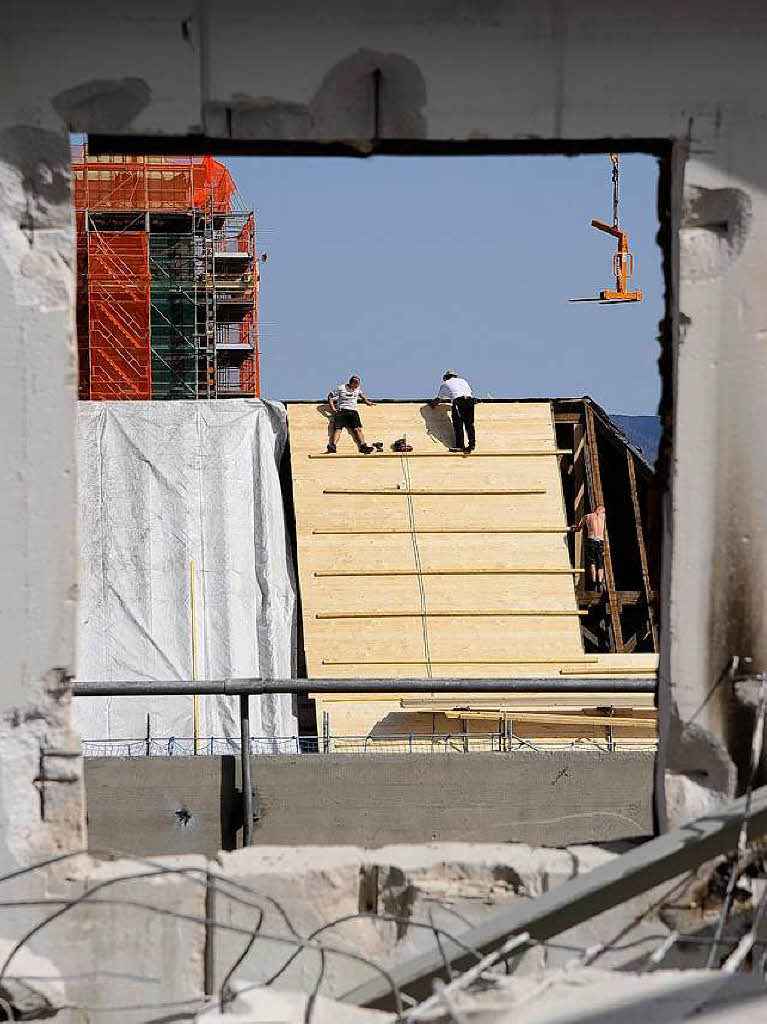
396,743
244,688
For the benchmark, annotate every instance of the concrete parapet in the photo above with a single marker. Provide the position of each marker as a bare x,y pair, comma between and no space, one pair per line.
193,804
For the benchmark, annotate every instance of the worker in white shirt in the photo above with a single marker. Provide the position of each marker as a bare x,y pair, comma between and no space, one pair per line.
456,390
343,404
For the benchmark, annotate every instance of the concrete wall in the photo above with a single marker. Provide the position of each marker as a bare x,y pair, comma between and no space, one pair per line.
525,72
157,805
40,771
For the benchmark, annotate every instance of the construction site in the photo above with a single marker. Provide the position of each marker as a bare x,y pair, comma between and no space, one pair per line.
374,705
167,280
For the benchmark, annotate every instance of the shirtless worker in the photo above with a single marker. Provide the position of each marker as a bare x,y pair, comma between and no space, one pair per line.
595,546
343,405
457,391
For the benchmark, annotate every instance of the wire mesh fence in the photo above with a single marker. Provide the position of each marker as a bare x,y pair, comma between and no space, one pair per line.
405,743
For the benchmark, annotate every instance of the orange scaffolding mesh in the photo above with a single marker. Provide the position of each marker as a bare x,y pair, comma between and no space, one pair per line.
250,374
119,358
81,309
157,183
118,333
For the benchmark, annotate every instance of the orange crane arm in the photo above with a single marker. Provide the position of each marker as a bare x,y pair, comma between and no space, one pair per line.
615,232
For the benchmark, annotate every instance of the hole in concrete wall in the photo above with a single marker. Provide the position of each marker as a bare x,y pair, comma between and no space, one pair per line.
397,268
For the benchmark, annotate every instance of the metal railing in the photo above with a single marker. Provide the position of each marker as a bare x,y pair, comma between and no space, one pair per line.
392,743
243,688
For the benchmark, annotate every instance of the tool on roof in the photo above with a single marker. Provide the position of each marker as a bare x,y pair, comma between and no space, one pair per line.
623,261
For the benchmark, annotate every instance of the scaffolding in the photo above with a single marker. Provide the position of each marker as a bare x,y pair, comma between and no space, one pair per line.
167,279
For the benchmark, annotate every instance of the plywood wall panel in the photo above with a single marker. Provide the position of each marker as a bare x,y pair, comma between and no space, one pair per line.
355,647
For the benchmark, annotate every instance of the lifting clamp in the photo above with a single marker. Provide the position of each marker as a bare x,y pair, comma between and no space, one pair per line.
623,261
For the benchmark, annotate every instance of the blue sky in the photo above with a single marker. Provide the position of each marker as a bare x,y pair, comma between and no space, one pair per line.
398,267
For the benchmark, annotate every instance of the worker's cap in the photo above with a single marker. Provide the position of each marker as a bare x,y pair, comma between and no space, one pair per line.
450,373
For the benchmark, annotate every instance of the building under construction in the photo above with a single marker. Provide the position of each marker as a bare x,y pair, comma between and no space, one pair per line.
167,279
436,565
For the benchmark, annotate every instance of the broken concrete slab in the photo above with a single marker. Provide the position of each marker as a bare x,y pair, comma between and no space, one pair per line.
384,905
253,1004
134,933
580,994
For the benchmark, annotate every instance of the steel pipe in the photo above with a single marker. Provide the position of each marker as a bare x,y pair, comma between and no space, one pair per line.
247,786
236,687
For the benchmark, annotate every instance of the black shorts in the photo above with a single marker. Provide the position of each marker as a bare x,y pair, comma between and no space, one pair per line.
595,553
346,418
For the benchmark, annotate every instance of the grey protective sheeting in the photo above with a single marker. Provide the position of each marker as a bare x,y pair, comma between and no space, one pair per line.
163,485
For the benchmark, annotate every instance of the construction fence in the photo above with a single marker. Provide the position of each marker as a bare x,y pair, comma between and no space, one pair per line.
406,743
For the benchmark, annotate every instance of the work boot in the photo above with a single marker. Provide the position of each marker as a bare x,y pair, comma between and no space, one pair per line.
366,449
468,451
331,449
456,450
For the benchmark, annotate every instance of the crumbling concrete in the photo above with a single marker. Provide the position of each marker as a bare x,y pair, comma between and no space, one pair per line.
41,798
486,74
580,993
463,76
256,1005
32,989
403,891
127,934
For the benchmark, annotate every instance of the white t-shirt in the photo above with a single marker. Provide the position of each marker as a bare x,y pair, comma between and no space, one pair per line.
346,397
454,387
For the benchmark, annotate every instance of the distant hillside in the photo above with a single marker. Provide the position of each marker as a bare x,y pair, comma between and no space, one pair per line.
643,432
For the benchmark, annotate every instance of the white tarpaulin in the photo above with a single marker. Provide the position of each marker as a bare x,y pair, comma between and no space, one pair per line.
180,505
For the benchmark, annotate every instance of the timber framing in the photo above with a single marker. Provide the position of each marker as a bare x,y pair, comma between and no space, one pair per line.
605,468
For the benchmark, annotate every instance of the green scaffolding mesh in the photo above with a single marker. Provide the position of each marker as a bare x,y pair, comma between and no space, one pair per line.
172,322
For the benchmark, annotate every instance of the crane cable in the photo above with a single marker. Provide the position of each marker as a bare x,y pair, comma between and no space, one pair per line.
417,558
616,193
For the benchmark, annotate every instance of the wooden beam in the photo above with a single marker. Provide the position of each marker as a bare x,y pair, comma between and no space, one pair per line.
642,549
632,673
499,613
579,488
395,491
568,417
615,615
612,436
582,660
468,571
624,598
559,718
591,637
629,646
440,455
440,529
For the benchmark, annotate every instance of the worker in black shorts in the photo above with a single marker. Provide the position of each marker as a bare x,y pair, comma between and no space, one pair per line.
343,405
595,546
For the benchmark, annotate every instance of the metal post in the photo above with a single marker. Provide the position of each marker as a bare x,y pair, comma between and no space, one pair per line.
325,732
148,735
195,661
247,791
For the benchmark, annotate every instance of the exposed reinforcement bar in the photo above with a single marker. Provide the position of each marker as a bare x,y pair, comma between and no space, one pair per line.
578,900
